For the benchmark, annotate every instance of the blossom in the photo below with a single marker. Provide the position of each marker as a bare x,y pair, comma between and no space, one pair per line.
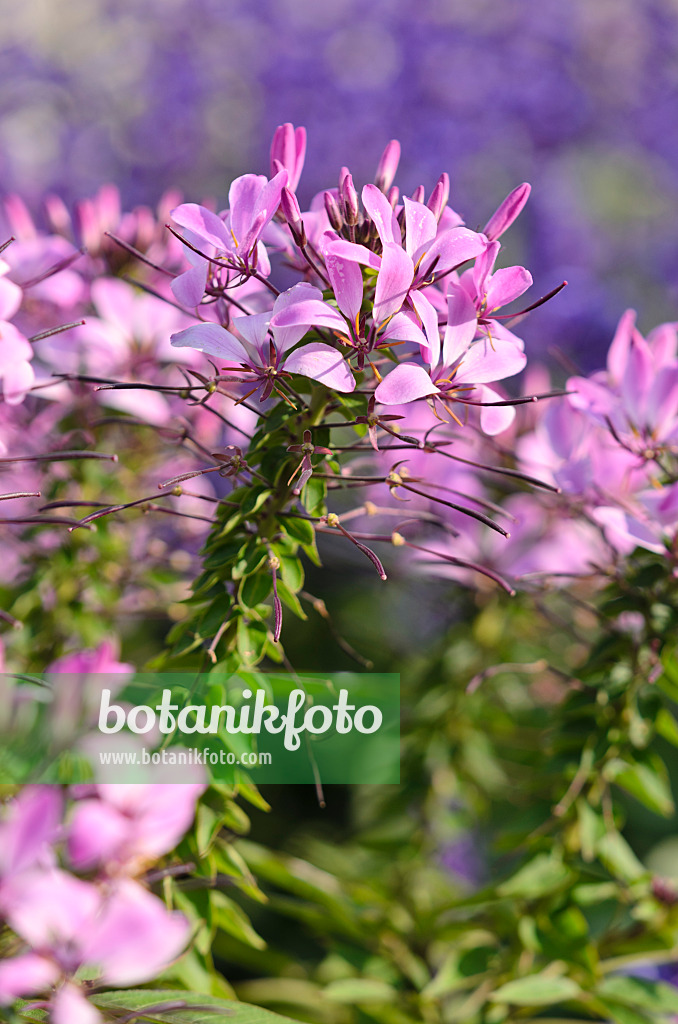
124,936
235,235
457,368
264,347
288,151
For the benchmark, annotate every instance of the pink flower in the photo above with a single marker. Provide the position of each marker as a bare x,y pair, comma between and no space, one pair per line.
288,151
264,346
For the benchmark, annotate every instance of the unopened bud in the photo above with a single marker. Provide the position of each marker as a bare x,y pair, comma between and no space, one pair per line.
333,212
397,539
388,165
274,562
418,194
292,213
349,198
507,212
370,508
393,195
332,519
439,196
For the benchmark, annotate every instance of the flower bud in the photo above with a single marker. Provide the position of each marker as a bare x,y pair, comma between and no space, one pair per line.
292,214
349,198
333,212
288,151
439,196
419,194
393,195
507,211
388,165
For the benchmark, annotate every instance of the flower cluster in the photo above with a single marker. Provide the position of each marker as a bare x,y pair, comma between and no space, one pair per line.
373,278
75,934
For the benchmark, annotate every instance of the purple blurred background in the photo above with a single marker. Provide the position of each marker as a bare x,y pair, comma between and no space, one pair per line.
579,98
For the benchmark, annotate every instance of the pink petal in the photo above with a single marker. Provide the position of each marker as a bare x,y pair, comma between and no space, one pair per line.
188,288
134,937
430,350
351,251
506,285
310,313
322,363
205,224
451,249
52,909
17,380
381,213
405,383
25,975
618,352
393,282
421,226
160,813
482,364
347,282
484,267
403,327
462,323
30,826
211,339
10,298
71,1006
637,378
286,337
267,203
97,834
494,419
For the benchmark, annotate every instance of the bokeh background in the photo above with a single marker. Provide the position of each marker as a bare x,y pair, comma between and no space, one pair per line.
579,98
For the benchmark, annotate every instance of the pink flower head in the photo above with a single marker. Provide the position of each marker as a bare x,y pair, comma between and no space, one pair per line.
264,345
457,367
124,937
235,235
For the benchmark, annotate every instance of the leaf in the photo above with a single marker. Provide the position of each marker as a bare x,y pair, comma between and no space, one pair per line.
289,598
537,990
623,1014
542,875
254,589
649,995
292,572
210,1010
619,858
359,990
667,726
644,782
300,529
228,916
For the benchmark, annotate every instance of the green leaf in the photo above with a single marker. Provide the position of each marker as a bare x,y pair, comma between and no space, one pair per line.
254,589
643,781
649,995
300,529
252,557
289,598
228,916
623,1014
313,496
544,874
359,990
210,1010
619,858
537,990
667,726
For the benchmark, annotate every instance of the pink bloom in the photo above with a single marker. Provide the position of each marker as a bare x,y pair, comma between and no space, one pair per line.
264,346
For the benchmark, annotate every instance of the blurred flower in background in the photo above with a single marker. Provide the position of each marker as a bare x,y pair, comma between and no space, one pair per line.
576,98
